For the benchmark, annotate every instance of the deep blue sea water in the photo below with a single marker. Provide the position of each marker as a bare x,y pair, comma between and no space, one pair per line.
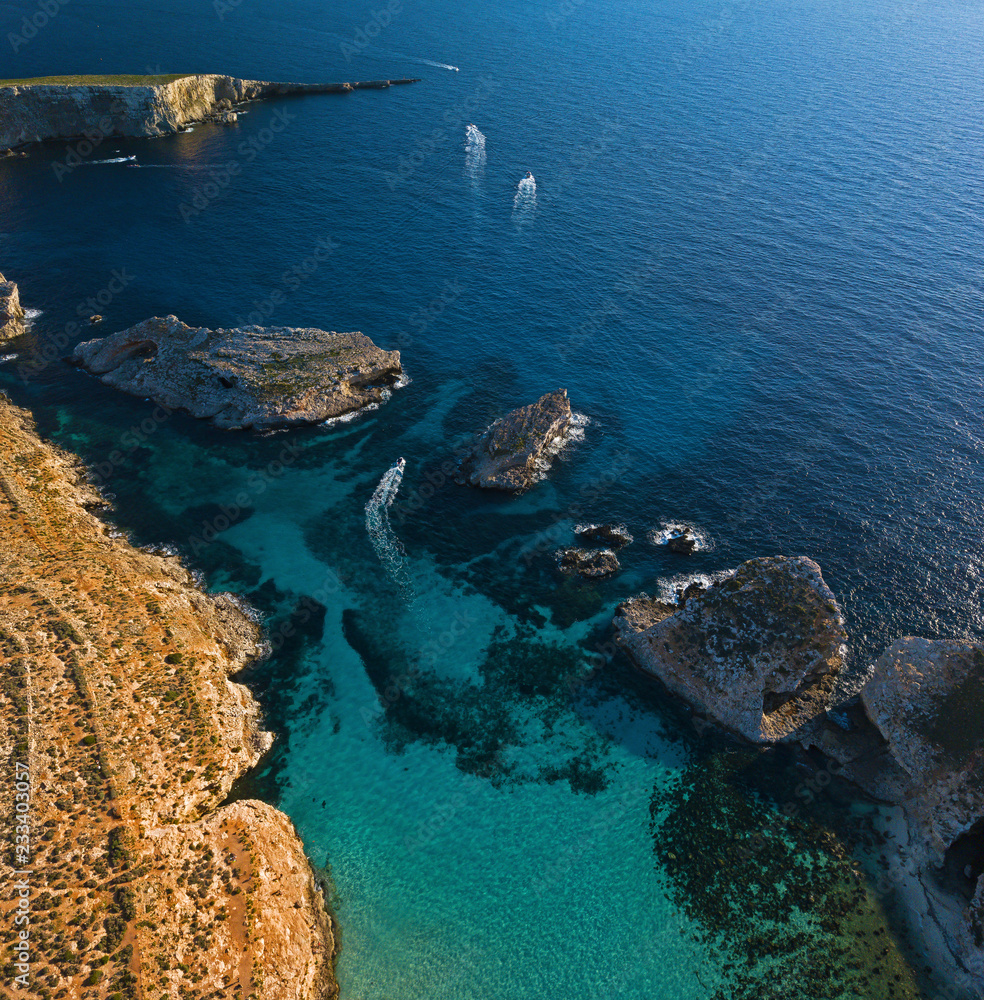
753,259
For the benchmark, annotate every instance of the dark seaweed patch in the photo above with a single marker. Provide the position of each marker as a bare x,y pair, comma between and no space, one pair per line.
772,891
523,695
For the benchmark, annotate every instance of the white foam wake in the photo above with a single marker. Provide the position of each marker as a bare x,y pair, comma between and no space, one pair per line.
474,153
524,202
428,62
115,159
389,549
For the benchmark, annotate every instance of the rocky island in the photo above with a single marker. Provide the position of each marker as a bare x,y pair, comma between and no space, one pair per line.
757,652
65,107
247,377
11,313
517,449
123,733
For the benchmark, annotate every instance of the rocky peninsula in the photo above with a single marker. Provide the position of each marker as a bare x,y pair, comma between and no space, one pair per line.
120,723
11,312
757,653
516,450
249,377
63,108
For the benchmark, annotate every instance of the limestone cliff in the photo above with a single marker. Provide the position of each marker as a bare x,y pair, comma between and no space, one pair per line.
11,313
757,652
246,377
38,112
117,712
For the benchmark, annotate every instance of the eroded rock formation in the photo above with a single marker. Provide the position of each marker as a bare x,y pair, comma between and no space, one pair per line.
246,377
11,313
591,563
757,652
517,449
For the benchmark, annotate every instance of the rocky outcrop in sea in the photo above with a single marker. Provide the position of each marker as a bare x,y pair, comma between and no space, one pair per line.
42,111
590,563
517,449
248,377
758,652
11,312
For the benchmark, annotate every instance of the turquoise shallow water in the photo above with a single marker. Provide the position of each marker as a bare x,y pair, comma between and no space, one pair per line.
753,260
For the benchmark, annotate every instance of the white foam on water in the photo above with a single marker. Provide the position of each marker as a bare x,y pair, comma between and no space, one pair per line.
667,587
7,357
115,159
474,153
389,549
662,535
524,201
439,65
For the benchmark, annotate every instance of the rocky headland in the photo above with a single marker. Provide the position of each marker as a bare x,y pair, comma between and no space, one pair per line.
758,652
250,377
11,312
516,450
119,719
36,112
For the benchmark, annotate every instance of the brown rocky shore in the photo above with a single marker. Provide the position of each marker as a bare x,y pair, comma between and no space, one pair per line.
121,725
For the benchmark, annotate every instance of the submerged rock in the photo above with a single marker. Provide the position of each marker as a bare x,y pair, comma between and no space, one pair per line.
615,536
757,652
518,448
591,563
11,313
246,377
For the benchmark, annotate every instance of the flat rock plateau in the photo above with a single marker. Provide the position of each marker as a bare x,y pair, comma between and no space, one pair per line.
250,377
117,706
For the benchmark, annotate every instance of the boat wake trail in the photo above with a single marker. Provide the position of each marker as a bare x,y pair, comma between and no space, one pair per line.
116,159
389,549
474,153
524,203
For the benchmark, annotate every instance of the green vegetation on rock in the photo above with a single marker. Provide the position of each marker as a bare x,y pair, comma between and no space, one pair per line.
96,81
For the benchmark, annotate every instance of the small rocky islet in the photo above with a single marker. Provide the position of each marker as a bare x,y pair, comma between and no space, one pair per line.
252,378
